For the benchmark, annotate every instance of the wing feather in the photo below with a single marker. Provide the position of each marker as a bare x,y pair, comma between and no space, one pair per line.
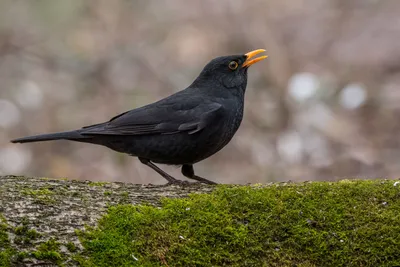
160,118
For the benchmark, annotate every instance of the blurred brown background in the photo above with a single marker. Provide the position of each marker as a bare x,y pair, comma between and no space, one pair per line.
325,105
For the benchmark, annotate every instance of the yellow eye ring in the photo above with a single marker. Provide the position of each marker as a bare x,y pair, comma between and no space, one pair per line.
233,65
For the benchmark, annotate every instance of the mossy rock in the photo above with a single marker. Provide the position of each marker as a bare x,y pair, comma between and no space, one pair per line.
349,223
6,251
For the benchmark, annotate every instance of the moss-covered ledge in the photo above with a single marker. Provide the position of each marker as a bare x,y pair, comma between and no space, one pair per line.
39,217
346,223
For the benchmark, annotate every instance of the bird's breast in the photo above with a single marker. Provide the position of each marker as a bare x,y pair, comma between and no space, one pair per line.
224,129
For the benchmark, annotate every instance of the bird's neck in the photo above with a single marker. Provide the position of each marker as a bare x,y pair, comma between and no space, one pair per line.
218,89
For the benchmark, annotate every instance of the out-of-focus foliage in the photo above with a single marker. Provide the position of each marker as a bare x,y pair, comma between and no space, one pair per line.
324,105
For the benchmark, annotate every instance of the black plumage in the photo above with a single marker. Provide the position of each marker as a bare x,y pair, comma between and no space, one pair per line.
181,129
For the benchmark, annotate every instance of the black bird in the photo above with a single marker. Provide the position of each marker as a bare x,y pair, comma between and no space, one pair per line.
182,129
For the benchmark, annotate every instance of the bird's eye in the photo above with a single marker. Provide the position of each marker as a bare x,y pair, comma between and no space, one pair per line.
233,65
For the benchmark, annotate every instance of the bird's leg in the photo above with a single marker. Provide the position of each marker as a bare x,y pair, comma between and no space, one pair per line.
188,171
169,178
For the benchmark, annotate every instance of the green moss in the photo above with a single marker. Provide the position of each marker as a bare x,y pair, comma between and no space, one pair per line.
3,234
75,194
38,192
6,256
49,250
42,196
125,194
107,193
24,235
59,179
97,183
71,247
124,198
6,251
350,223
20,256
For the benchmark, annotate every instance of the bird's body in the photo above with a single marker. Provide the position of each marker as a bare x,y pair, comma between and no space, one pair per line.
182,129
184,147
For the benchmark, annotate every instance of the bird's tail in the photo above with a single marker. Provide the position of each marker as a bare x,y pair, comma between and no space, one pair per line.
70,135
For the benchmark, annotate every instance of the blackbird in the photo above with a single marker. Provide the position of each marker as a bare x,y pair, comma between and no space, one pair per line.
182,129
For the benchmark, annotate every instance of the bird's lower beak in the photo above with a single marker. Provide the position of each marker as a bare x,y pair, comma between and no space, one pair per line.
249,61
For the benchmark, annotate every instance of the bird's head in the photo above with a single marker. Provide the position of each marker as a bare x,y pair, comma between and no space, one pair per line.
229,71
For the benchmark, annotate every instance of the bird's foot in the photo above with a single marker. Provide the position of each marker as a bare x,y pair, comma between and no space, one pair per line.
188,183
203,180
188,171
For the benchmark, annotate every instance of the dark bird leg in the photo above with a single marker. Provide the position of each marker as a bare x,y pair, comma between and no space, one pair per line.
188,171
169,178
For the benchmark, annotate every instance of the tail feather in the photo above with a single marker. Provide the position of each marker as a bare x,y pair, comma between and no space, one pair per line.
70,135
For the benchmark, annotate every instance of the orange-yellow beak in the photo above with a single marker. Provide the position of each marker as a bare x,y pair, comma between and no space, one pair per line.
250,55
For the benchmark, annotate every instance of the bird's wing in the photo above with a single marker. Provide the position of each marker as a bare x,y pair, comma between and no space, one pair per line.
164,117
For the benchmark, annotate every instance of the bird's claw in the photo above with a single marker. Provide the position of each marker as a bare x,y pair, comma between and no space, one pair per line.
188,183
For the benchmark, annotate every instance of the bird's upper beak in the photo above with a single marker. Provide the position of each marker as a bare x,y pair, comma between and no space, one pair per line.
250,55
